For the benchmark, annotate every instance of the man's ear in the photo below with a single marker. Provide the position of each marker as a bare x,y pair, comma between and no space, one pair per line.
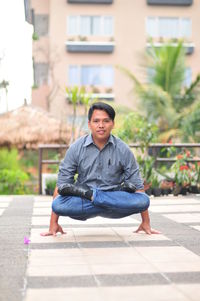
89,124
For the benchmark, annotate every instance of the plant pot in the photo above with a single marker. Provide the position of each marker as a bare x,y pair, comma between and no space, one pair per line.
157,191
176,190
49,191
183,190
193,189
166,191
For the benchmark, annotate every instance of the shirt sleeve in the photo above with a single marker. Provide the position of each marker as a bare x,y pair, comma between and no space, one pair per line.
68,167
131,170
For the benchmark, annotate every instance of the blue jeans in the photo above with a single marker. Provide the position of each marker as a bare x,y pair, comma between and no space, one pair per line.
109,204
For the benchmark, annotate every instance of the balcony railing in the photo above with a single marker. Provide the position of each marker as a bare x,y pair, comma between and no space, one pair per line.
89,47
170,2
189,47
91,1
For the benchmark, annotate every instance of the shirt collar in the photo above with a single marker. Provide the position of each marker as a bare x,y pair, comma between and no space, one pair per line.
89,140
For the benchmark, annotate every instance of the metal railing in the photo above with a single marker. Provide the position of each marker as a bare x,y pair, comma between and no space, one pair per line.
154,146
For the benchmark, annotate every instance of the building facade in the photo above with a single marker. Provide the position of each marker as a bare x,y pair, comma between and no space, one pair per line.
82,42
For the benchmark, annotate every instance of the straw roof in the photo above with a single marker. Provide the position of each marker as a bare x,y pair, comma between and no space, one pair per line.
29,126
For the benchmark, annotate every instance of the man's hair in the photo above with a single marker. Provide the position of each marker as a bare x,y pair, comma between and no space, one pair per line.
101,106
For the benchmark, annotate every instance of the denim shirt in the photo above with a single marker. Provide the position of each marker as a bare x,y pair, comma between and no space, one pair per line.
103,169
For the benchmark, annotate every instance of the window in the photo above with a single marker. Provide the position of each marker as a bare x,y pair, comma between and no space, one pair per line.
91,75
90,25
41,73
188,77
168,27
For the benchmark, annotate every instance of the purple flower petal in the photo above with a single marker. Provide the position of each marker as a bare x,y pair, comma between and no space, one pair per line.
26,240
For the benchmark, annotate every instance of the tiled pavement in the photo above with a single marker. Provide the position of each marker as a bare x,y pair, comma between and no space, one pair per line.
100,259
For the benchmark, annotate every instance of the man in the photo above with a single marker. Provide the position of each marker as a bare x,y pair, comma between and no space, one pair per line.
108,183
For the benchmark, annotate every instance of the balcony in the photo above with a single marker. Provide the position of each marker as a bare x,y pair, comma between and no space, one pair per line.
90,1
170,2
189,47
89,47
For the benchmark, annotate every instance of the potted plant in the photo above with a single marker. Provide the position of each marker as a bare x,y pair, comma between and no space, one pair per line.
155,185
182,175
146,165
166,187
50,186
195,178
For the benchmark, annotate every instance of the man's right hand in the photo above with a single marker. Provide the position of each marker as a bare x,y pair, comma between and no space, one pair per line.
53,230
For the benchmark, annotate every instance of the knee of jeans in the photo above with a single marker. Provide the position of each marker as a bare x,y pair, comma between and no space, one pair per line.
145,201
55,206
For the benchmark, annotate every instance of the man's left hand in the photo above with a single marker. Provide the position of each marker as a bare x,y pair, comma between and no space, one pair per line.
145,227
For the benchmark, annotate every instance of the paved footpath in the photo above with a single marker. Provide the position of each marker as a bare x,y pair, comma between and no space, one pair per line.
100,259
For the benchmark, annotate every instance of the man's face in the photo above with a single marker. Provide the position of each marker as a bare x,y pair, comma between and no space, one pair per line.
100,125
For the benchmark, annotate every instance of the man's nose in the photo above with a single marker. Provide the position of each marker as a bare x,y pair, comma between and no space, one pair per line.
101,124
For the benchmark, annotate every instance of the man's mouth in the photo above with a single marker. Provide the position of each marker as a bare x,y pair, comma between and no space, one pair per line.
101,132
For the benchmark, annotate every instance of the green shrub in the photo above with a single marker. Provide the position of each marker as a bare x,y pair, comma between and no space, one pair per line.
135,128
13,178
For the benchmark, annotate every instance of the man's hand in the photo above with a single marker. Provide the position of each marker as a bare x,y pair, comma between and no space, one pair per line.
55,228
145,227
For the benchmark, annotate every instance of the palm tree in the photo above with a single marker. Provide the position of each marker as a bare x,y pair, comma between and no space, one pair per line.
164,99
4,85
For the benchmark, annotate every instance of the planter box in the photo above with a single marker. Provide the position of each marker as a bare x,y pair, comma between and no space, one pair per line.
89,47
189,47
170,2
91,1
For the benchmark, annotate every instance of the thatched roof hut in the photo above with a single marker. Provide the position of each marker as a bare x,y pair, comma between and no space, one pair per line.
29,126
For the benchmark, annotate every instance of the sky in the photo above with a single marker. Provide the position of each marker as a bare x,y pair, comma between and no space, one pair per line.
15,54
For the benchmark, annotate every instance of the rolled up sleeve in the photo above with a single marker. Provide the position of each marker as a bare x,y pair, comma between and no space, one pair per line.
131,170
67,168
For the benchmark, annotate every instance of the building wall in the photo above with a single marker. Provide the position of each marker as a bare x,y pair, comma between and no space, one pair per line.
129,37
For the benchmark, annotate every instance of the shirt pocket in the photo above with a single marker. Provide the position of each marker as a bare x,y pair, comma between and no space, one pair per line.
113,174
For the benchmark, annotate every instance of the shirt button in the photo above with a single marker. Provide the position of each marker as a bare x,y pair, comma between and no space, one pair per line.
98,177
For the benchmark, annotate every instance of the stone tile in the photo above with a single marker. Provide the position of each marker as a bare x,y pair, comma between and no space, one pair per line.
4,204
57,269
123,268
43,198
174,200
50,245
42,211
176,266
190,290
112,256
5,198
46,204
128,293
175,208
186,277
129,235
51,254
61,281
184,217
168,254
171,259
96,234
63,294
1,211
59,238
196,227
